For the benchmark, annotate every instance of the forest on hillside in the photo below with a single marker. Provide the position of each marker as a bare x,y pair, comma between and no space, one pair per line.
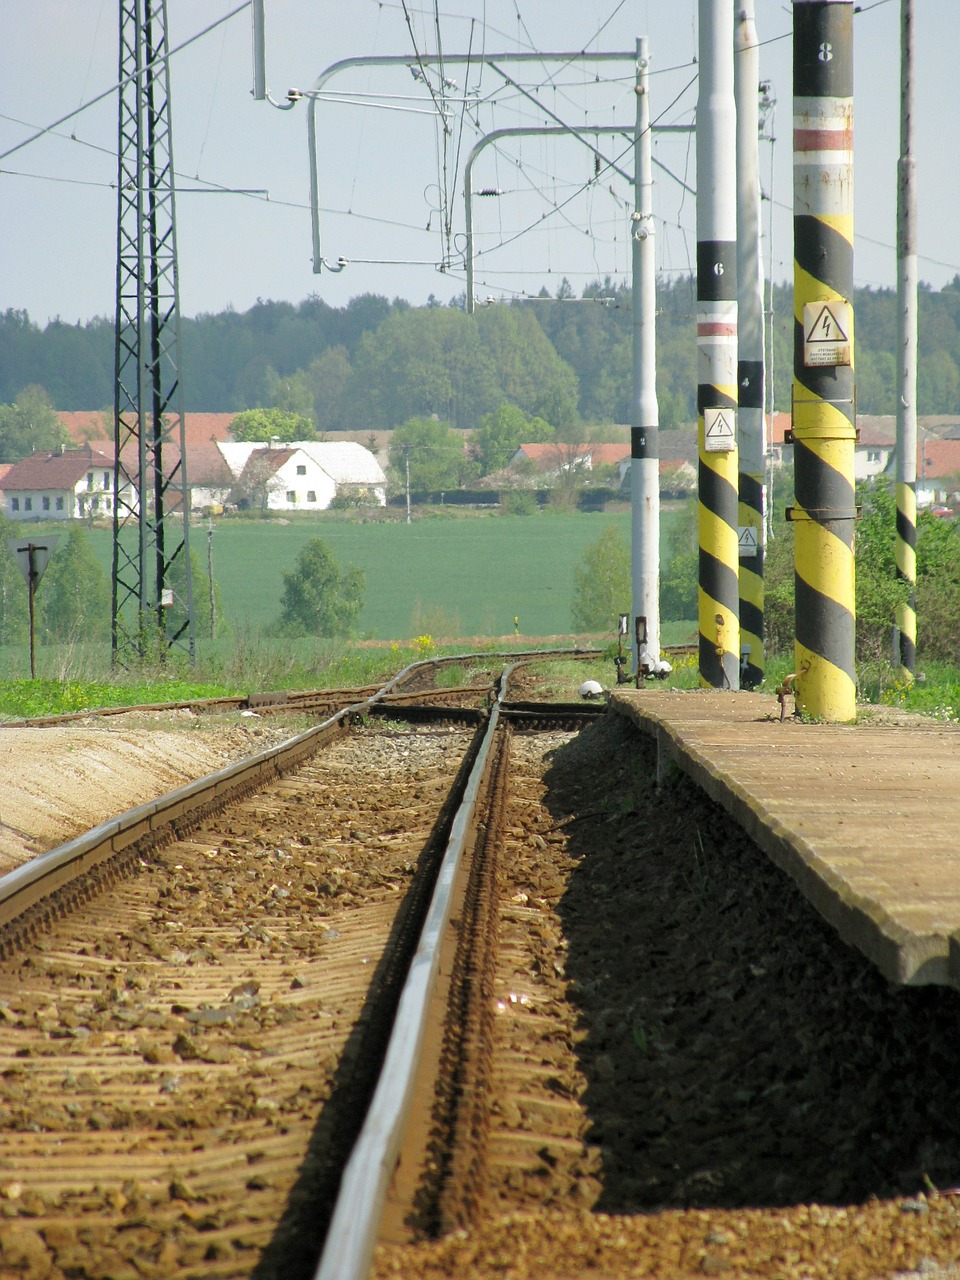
376,364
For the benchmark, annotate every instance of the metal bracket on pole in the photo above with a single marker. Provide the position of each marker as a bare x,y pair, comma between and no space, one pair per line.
315,92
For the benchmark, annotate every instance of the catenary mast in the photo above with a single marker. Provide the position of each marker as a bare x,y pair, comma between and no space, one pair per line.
718,594
152,607
751,424
824,405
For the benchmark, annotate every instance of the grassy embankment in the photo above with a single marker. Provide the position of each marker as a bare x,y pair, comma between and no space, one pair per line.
457,583
459,580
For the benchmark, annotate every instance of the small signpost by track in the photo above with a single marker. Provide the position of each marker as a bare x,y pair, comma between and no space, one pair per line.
33,556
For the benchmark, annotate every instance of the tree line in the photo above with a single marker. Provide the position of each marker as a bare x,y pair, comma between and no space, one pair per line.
376,364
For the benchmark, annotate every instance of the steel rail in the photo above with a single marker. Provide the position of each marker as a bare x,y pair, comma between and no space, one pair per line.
351,1236
293,698
32,882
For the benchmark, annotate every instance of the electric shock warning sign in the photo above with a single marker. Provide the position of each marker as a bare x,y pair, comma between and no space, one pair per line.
826,333
720,430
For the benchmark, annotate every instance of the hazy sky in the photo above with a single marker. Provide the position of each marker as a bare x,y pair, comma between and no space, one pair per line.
391,181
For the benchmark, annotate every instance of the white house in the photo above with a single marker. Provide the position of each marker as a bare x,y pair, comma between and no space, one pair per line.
65,484
351,467
302,475
875,447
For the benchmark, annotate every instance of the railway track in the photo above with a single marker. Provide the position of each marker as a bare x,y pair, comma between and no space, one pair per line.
415,683
590,1073
191,988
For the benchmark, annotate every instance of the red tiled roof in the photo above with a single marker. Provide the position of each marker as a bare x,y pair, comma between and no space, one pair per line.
937,459
89,426
604,455
781,423
264,461
878,430
555,453
206,466
97,427
57,470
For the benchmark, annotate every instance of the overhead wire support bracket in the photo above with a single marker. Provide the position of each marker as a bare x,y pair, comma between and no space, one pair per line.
260,91
423,59
540,131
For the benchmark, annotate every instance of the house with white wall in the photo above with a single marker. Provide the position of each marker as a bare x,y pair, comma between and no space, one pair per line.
65,484
301,475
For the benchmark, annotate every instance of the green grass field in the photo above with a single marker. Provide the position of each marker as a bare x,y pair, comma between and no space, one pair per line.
449,577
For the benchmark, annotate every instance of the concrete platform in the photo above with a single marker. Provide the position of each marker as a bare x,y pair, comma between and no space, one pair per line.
865,818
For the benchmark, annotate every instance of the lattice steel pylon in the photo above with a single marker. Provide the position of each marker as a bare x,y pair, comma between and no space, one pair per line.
152,588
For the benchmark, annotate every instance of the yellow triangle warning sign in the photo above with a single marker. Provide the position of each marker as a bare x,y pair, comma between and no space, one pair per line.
827,327
720,429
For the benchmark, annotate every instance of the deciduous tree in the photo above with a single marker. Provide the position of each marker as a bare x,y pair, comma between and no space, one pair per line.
14,613
73,598
435,453
29,425
319,597
501,434
602,584
271,424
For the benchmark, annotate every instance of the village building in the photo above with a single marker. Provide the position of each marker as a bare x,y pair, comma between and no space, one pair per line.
938,473
65,484
302,475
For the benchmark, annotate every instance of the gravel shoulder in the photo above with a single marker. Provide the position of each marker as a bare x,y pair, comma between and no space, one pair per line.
60,781
726,1087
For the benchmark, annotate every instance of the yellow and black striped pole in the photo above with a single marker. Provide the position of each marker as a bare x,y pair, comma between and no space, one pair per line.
719,591
824,408
751,428
907,313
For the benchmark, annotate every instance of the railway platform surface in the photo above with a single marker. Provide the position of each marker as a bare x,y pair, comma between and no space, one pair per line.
863,817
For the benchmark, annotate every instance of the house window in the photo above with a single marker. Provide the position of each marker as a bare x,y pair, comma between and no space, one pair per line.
873,455
109,504
106,479
46,502
301,469
89,479
60,503
28,504
14,504
311,495
291,497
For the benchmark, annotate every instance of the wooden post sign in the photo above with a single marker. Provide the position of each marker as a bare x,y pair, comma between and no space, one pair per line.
33,556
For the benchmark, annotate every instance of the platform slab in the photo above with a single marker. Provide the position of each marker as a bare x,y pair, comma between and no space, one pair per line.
865,818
